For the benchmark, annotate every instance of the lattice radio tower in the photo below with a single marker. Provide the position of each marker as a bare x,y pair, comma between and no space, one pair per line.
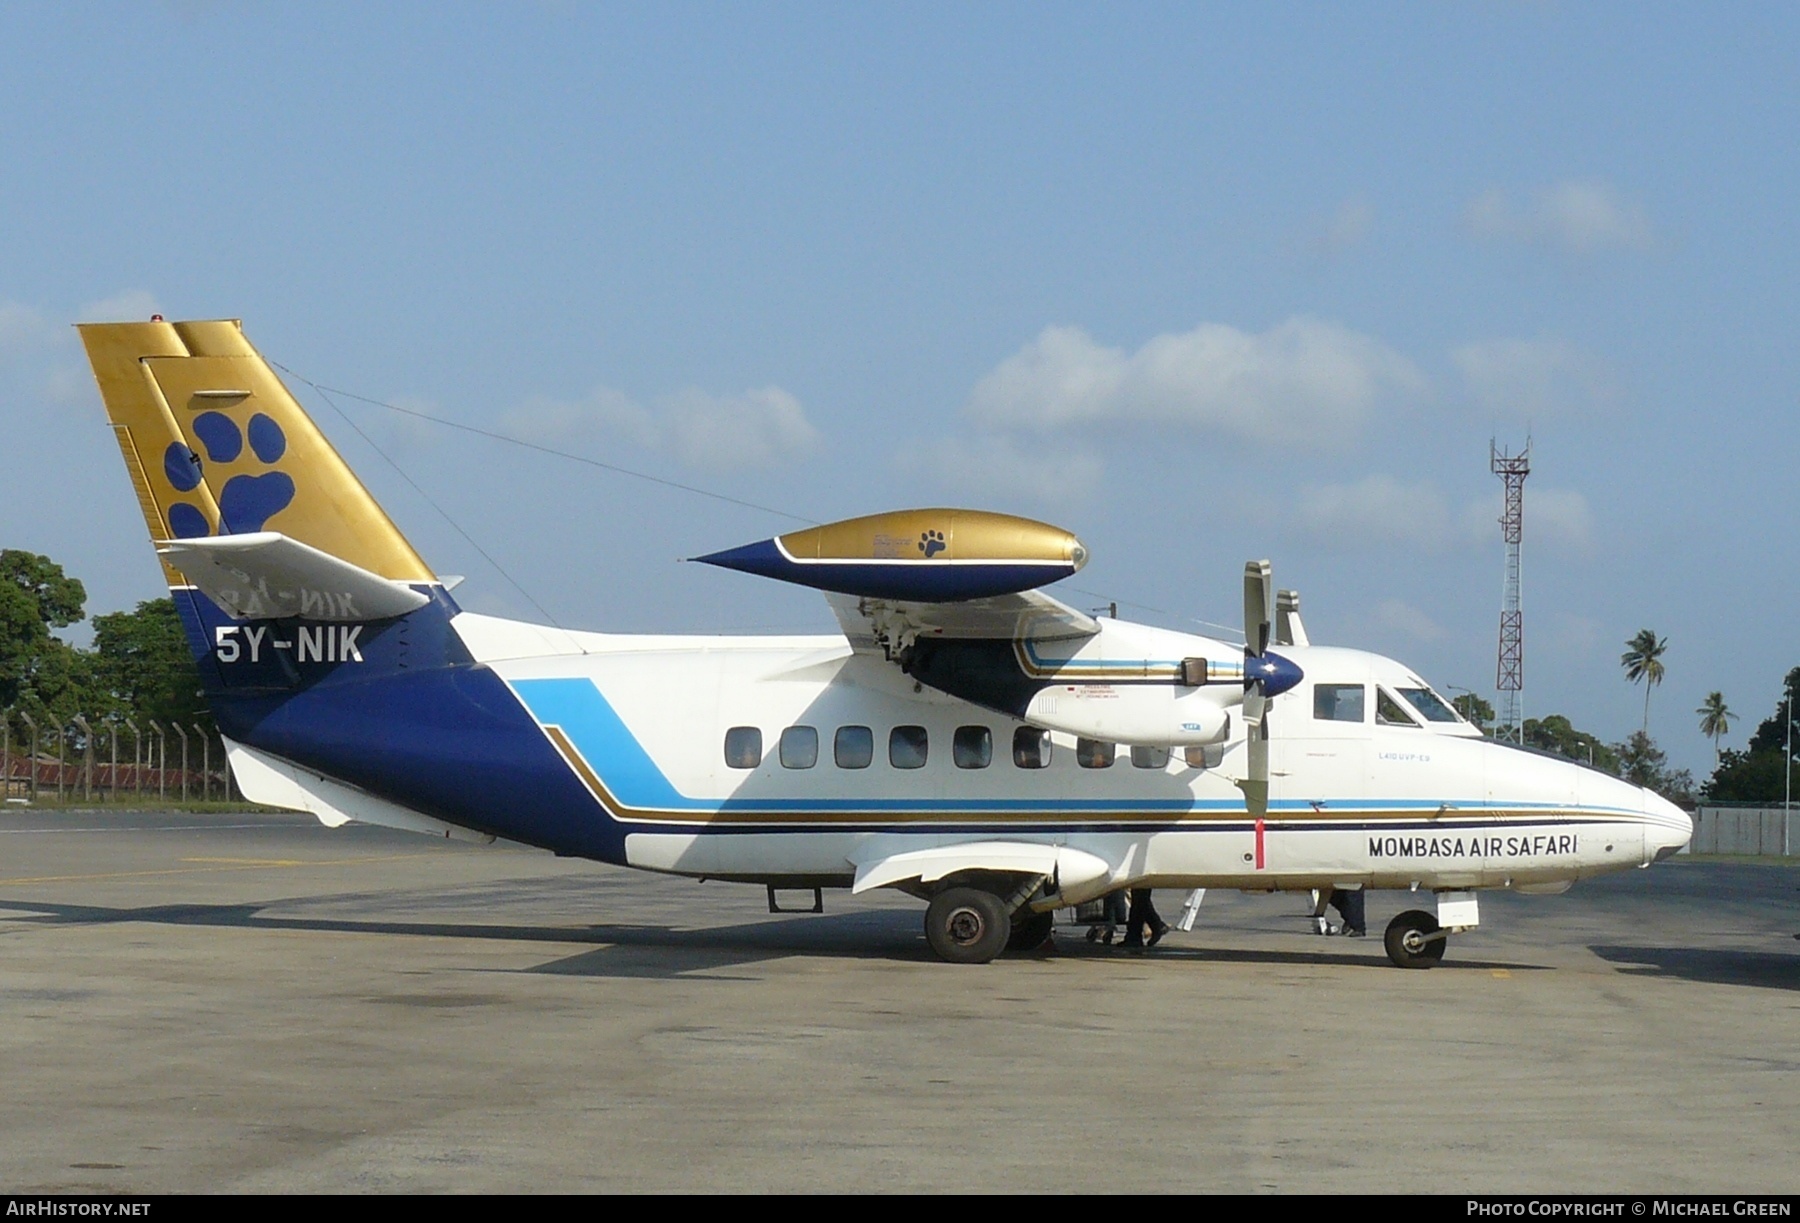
1510,674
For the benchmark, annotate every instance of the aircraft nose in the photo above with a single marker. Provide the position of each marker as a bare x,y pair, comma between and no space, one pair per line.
1277,674
1668,827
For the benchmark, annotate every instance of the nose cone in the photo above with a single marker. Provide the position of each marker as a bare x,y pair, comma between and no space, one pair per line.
1667,827
1275,673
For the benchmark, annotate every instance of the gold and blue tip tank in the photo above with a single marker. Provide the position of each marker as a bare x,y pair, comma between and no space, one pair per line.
921,556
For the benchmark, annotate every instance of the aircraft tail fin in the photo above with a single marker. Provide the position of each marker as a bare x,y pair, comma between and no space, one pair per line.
216,446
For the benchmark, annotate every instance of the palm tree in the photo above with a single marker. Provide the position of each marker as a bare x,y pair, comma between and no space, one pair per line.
1642,660
1715,719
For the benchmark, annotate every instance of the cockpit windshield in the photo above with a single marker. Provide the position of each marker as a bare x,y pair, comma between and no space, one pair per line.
1429,704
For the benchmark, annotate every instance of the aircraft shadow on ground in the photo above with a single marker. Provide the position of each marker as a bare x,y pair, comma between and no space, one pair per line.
622,949
1712,965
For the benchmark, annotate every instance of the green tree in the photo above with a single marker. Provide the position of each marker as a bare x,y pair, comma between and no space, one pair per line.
39,671
142,664
1746,777
1644,764
1479,713
1715,720
1758,774
1771,734
1642,661
1556,734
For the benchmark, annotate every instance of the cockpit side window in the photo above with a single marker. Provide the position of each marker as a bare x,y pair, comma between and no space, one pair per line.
1338,702
1430,704
1389,712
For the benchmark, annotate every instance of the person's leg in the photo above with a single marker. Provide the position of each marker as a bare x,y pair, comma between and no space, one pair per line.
1158,927
1139,918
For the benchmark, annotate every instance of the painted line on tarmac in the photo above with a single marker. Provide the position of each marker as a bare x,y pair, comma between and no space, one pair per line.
15,832
222,864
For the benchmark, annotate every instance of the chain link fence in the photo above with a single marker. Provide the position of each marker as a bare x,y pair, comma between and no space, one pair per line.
109,760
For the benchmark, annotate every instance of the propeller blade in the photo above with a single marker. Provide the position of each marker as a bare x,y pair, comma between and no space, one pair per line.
1259,601
1255,784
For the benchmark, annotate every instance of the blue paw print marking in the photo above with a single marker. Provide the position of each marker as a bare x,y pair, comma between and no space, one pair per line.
931,543
247,501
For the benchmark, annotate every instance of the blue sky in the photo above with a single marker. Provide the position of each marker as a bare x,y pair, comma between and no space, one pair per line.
1201,283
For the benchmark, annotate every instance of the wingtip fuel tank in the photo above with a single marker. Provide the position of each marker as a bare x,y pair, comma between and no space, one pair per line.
929,555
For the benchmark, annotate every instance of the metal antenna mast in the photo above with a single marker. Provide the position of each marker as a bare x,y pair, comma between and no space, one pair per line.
1510,673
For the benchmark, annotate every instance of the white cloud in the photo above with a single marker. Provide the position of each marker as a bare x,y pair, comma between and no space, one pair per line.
1405,618
987,469
1557,518
127,306
1376,510
754,429
1380,511
1560,517
1580,216
23,329
1535,379
69,386
757,428
1348,226
1305,382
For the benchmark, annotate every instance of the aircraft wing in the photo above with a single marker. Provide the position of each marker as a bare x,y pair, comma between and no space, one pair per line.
881,625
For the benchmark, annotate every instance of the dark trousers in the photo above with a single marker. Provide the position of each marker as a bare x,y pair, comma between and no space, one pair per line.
1143,916
1350,904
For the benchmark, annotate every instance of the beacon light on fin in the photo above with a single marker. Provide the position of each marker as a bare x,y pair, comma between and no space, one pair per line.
925,556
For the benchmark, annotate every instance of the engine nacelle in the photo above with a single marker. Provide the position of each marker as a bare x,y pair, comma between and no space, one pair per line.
1143,714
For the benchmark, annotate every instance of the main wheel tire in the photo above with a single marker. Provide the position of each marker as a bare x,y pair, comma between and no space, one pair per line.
967,925
1029,930
1408,941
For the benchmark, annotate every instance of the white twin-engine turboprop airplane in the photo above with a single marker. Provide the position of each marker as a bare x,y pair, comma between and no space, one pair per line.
967,740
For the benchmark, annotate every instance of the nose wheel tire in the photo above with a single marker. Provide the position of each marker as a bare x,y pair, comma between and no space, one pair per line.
1410,939
967,925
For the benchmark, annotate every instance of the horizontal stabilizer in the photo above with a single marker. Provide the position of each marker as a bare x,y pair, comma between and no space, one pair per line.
267,576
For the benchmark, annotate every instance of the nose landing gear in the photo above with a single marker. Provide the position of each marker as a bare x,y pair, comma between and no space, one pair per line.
1415,940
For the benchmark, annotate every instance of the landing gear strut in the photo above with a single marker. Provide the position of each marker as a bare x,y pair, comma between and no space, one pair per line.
1415,940
1029,930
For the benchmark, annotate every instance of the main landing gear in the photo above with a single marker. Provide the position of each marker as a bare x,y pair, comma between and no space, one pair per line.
967,925
970,925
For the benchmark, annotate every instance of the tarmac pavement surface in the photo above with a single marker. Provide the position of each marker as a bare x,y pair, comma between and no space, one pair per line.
231,1003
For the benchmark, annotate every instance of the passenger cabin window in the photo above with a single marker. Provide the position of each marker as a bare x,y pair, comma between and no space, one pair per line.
1338,702
854,747
743,747
1093,754
1149,757
1430,704
1031,748
1388,711
907,747
973,747
799,747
